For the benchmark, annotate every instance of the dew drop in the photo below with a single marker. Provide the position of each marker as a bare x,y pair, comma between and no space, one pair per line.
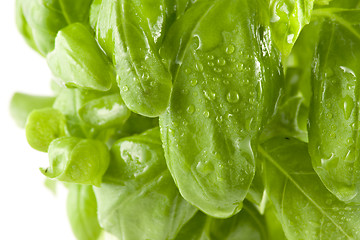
350,141
221,61
145,76
230,116
218,70
206,114
211,64
199,67
229,75
193,82
240,66
185,91
205,167
230,49
125,88
232,97
190,109
210,57
348,106
187,70
219,119
209,95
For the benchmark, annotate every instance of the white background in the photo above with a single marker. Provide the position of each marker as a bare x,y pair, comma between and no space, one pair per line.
27,209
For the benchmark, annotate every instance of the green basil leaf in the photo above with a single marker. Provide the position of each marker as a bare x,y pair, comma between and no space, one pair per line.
345,4
43,126
82,212
227,79
78,61
194,229
290,120
21,105
334,115
137,124
105,112
66,102
23,25
77,160
130,32
288,17
94,13
39,21
305,208
246,225
138,198
298,72
274,228
257,194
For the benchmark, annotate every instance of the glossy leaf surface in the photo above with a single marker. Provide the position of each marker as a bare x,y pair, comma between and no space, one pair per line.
306,209
77,160
288,17
79,62
130,32
43,126
227,79
334,111
138,199
106,111
40,20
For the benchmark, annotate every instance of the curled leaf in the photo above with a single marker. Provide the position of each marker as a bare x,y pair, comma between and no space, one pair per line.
78,61
39,21
130,32
77,160
43,126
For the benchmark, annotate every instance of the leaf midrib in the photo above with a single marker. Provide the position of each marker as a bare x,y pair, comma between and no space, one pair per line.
273,162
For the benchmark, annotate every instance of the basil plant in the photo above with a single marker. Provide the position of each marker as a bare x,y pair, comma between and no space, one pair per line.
199,119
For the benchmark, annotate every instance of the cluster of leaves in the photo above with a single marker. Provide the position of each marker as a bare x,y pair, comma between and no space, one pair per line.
199,119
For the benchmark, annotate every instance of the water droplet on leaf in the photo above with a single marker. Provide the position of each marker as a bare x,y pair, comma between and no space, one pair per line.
232,97
230,49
